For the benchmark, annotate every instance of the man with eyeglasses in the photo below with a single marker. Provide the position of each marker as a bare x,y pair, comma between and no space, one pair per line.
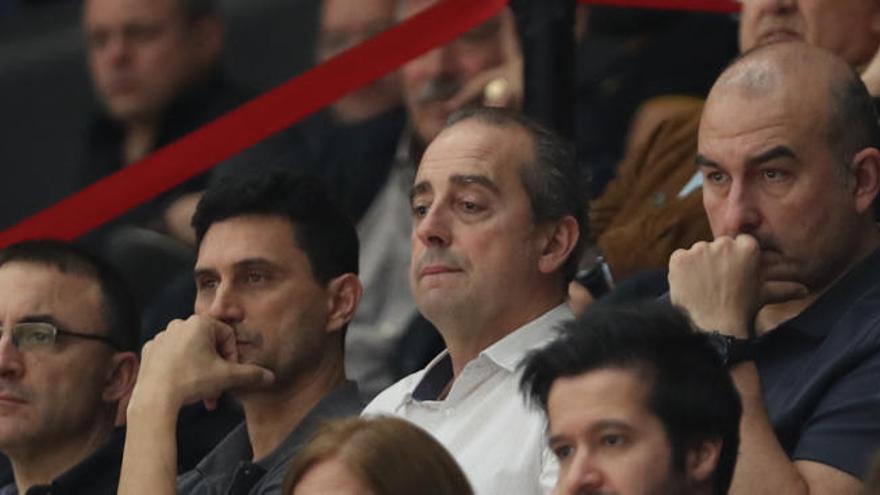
67,361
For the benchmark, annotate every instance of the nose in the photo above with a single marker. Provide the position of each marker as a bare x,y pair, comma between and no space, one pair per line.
740,213
226,305
581,476
433,229
441,62
11,360
115,51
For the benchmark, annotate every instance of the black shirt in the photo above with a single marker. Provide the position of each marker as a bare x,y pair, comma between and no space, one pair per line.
197,105
98,474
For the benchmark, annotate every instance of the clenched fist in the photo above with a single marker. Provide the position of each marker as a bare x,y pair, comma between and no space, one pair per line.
721,284
195,359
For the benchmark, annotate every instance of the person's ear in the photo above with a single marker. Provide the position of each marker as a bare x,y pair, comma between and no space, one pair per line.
120,382
701,461
865,169
343,296
558,241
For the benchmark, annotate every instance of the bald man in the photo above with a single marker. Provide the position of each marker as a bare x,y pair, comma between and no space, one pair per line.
789,285
653,206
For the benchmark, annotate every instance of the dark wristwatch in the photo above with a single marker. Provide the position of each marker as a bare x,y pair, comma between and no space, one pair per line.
731,349
596,279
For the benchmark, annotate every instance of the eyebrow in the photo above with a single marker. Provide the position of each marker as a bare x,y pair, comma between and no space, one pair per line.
422,187
767,156
702,161
597,426
479,180
41,318
460,180
239,265
770,155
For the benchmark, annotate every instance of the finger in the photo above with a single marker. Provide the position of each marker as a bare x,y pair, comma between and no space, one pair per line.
224,341
248,375
472,91
777,292
509,39
746,239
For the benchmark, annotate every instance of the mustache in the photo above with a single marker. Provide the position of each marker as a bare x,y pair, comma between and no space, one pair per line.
438,89
766,243
438,257
247,335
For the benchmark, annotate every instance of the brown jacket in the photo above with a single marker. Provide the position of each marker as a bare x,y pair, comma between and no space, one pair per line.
639,220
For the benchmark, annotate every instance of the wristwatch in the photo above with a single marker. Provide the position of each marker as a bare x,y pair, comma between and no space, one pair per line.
731,349
596,279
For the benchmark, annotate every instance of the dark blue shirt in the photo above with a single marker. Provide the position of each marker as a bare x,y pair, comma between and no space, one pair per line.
820,374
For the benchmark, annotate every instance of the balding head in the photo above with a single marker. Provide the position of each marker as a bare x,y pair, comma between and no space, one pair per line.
787,150
819,83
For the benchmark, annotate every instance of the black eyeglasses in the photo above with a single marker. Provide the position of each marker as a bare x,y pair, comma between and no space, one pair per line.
40,335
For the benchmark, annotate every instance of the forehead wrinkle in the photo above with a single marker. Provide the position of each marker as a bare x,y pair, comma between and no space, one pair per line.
50,291
781,130
463,180
482,153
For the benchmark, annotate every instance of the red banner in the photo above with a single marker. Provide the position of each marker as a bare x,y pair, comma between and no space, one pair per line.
276,110
254,121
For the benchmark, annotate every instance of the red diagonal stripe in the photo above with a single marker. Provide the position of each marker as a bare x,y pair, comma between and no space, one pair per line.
728,6
253,122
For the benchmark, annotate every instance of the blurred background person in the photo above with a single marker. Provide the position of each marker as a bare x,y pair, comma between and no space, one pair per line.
376,456
155,70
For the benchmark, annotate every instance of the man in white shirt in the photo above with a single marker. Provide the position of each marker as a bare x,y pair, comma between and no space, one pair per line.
497,213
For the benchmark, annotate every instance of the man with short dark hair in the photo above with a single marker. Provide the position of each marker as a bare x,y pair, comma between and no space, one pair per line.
277,285
788,151
497,211
638,402
67,362
155,67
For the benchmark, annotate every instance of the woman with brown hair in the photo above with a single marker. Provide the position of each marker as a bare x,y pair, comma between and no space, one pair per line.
374,456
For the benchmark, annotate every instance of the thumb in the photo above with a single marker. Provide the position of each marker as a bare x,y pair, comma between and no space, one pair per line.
248,375
778,292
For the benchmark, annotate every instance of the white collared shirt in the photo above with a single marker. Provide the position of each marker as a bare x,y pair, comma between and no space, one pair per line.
499,440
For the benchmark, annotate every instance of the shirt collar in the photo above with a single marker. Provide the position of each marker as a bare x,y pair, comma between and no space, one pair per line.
236,447
343,401
509,351
506,353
